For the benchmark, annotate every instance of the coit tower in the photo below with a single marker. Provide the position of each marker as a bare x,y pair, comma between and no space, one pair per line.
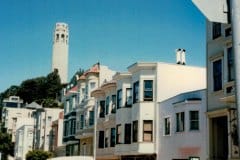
60,51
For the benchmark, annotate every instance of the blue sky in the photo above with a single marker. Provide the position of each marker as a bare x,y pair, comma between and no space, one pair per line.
116,33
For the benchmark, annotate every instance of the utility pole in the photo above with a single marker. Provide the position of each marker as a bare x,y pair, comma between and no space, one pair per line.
235,21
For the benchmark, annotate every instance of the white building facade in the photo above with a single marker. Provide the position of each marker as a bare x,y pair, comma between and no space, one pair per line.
24,141
138,93
183,127
60,51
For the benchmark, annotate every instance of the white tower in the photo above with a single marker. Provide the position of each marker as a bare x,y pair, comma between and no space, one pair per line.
60,51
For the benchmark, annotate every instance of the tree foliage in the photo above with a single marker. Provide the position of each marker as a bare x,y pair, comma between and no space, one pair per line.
6,145
40,89
38,155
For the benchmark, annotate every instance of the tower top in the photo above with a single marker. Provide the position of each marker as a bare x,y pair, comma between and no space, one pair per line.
61,33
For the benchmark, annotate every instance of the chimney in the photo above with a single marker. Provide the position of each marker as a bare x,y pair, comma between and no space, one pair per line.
180,56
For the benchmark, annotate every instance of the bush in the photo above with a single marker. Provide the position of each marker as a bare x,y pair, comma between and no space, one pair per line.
38,155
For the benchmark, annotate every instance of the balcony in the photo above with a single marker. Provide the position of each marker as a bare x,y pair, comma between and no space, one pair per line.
85,132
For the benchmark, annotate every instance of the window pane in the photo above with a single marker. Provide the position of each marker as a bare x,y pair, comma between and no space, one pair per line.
107,105
102,109
119,98
128,97
135,131
194,120
113,132
147,130
148,90
127,133
167,126
118,135
180,122
231,70
113,104
217,75
135,92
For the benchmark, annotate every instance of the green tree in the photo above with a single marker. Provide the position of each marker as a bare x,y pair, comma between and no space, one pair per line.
53,85
38,155
6,145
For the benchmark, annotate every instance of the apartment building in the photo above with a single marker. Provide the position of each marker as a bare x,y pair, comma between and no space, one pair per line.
24,141
13,102
92,79
221,104
70,100
105,130
183,127
14,116
138,92
56,145
43,118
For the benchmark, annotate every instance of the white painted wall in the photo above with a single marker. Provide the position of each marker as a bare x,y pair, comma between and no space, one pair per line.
182,145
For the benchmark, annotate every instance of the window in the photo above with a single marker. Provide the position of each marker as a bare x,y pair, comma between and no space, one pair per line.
67,106
73,127
113,133
107,105
106,138
230,63
92,85
91,118
119,98
136,92
217,75
113,104
148,90
127,135
128,97
118,135
180,122
167,126
194,120
216,30
102,109
135,131
101,139
147,130
228,32
81,121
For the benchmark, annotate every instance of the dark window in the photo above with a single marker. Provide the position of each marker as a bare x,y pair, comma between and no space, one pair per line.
81,121
91,118
167,126
113,133
118,135
148,90
127,136
65,128
217,75
113,104
147,130
216,30
194,120
119,98
128,97
73,128
228,32
135,131
180,122
101,139
106,139
102,109
107,105
230,63
136,92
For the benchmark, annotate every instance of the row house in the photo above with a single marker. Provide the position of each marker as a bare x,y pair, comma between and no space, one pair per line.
24,141
183,126
132,99
43,118
88,82
70,101
221,104
79,110
105,131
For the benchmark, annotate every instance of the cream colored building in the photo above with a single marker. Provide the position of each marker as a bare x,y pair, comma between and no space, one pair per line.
221,104
105,130
24,141
138,92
